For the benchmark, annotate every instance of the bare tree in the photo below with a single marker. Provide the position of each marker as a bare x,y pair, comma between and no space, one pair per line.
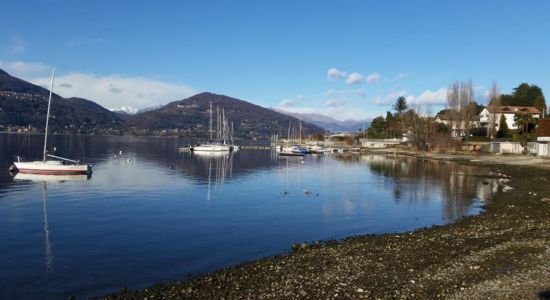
453,104
494,100
467,110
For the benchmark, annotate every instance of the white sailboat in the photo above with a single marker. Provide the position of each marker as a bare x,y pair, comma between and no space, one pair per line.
211,146
61,166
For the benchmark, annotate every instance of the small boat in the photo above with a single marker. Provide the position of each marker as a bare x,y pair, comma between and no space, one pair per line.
61,166
282,153
212,147
292,151
316,150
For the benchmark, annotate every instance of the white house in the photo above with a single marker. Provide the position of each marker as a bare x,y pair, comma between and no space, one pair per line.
494,113
458,130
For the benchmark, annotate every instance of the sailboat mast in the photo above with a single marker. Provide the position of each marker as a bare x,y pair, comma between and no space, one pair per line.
288,136
44,156
224,131
210,129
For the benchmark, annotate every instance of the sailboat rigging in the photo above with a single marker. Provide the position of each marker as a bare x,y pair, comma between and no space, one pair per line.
61,166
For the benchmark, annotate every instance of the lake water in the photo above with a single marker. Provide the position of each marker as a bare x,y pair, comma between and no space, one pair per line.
153,214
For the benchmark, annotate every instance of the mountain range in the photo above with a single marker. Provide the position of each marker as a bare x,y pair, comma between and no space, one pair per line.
23,107
329,123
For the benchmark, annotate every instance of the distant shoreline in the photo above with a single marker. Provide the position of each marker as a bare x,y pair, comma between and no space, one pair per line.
501,253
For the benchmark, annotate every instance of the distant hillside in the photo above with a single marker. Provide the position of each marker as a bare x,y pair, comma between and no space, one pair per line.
329,123
23,105
191,116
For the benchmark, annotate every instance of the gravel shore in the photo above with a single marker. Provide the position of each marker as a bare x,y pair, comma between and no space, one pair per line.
503,253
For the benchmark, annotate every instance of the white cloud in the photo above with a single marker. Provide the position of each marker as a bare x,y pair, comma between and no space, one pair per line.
391,97
336,103
334,73
355,78
24,69
290,102
374,77
438,97
427,97
117,91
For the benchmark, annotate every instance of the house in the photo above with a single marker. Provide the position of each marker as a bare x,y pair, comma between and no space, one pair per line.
379,143
492,115
457,130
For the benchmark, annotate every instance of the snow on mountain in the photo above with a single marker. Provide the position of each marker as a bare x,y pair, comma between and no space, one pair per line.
126,110
329,123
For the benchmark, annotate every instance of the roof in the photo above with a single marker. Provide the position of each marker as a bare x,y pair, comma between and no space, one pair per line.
513,109
447,117
544,127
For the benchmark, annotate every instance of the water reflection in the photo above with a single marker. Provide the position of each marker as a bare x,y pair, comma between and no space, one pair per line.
45,180
419,181
161,214
219,163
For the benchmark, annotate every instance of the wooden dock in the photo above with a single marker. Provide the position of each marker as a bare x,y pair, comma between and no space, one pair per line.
249,147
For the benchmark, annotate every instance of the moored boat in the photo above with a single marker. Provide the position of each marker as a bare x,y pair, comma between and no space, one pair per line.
60,166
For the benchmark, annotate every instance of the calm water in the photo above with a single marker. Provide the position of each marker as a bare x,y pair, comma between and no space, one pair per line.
138,221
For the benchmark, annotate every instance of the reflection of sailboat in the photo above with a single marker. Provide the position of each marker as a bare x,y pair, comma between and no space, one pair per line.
45,179
207,154
45,166
220,166
51,178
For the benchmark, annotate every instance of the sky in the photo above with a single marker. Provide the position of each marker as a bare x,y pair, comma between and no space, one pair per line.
345,59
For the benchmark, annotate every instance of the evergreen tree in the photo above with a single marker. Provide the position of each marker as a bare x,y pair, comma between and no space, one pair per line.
502,128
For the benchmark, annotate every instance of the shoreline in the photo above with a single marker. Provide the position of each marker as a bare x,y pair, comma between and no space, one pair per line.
502,253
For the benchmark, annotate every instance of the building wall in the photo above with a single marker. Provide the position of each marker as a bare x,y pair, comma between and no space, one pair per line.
510,120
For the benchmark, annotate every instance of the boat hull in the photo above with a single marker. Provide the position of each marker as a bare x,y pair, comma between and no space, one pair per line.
282,153
48,168
212,148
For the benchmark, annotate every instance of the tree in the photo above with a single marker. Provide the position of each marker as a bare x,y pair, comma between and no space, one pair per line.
400,107
502,127
453,104
494,100
540,104
391,126
525,95
521,121
377,128
468,107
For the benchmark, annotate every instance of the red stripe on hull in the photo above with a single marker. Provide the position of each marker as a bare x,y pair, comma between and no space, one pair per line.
53,172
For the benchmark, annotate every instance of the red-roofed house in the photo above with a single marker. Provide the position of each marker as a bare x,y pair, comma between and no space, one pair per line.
493,114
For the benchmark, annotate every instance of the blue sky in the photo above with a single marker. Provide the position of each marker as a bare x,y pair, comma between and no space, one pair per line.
346,59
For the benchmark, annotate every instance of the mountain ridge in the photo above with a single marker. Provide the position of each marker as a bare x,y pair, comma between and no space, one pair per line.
23,108
250,120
